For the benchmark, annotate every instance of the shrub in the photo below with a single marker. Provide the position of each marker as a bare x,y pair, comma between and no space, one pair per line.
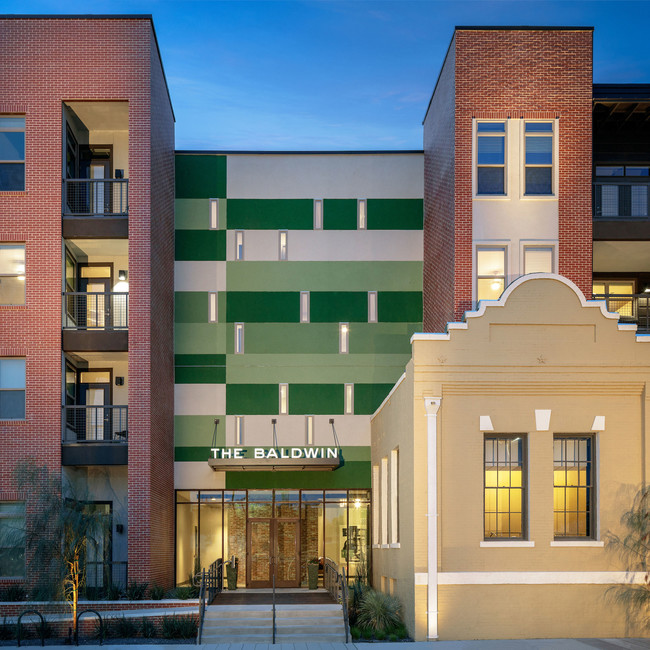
179,627
366,633
380,635
136,590
113,592
13,594
183,593
402,632
147,629
123,628
102,633
378,611
6,630
355,633
392,637
156,592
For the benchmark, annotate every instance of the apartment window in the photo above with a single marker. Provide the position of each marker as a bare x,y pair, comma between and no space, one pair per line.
239,338
362,214
490,158
538,259
12,389
490,272
539,158
573,483
283,243
214,214
619,296
212,307
239,429
284,399
384,500
12,153
372,306
344,338
12,539
309,429
348,399
304,306
239,244
318,214
12,274
504,498
394,487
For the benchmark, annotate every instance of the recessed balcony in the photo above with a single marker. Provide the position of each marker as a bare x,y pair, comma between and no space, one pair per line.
631,308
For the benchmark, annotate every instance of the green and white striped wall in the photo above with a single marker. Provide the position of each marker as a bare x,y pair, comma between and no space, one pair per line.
261,194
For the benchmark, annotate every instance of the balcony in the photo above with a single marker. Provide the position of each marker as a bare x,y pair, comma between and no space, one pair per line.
621,210
634,309
94,435
95,321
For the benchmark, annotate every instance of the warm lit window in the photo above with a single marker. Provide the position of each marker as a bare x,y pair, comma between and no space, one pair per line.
239,244
490,273
284,399
309,429
490,158
619,296
372,306
12,153
375,504
344,338
362,214
539,158
212,307
573,486
318,214
538,259
304,306
214,214
239,429
394,488
283,245
12,389
12,539
12,274
504,499
239,338
349,399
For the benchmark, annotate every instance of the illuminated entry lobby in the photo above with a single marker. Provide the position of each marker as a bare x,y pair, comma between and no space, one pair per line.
272,533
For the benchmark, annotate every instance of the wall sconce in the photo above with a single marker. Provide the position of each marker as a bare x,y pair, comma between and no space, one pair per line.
119,381
122,275
119,528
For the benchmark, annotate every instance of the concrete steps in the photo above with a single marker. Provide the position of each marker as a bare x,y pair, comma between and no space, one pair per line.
254,624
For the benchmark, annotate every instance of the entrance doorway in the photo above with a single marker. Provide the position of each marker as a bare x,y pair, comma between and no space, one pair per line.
273,552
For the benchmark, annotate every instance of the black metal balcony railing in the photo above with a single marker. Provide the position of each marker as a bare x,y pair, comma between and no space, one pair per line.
95,424
630,308
101,577
95,311
625,200
89,197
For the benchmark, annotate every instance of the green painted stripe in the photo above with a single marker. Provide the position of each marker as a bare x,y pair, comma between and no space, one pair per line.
197,375
200,338
200,359
368,397
252,399
190,306
338,306
194,214
263,307
319,399
200,245
197,431
395,214
307,368
271,214
200,176
399,306
324,276
382,338
340,214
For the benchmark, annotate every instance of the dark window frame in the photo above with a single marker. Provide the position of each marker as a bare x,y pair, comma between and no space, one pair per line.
17,161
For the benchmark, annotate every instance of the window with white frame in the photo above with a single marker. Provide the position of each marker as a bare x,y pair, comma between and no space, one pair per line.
284,399
304,306
12,389
283,245
12,153
491,158
372,306
239,338
12,539
212,307
239,244
239,429
538,259
309,429
12,274
214,214
362,214
490,272
318,214
344,338
538,158
348,407
394,501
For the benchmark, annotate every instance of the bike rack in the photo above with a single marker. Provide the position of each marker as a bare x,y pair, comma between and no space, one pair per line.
31,611
101,625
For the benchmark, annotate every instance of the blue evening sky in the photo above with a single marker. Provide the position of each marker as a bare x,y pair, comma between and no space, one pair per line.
323,75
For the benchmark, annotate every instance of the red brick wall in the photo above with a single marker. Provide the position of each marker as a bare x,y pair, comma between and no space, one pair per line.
42,63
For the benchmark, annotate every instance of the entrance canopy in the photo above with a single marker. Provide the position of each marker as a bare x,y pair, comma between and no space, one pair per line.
315,459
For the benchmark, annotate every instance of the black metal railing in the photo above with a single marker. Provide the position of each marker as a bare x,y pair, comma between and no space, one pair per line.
95,424
95,311
210,584
630,308
336,583
624,200
89,197
105,578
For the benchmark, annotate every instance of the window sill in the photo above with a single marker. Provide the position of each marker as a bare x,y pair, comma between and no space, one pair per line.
579,543
507,544
539,197
491,197
394,545
385,546
376,546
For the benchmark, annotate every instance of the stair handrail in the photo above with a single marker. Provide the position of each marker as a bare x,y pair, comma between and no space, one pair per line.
199,633
273,631
336,583
345,597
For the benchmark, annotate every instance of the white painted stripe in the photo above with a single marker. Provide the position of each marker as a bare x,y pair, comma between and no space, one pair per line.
199,399
507,544
197,476
541,578
199,276
578,544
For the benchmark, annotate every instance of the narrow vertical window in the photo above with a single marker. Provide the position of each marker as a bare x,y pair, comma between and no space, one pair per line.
490,157
394,486
318,214
538,259
304,306
375,504
309,429
12,539
384,500
573,487
239,244
505,481
284,399
539,158
239,429
214,214
344,338
349,399
490,273
12,274
362,214
12,153
239,338
212,308
372,306
283,244
12,389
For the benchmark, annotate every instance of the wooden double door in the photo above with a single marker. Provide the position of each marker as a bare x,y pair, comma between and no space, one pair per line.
273,551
